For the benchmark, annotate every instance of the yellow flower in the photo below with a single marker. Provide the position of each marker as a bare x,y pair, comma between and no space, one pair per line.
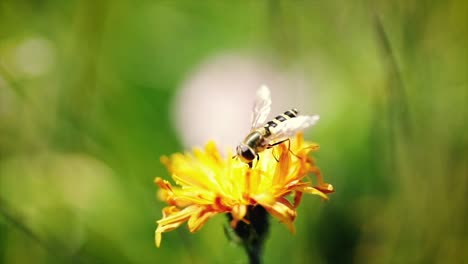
210,184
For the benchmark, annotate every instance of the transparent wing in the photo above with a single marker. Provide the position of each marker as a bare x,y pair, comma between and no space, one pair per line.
291,126
262,107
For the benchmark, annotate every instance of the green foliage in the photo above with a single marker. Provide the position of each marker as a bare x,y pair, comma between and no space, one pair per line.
85,113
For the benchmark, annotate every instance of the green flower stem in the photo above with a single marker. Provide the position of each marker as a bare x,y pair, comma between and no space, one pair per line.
253,235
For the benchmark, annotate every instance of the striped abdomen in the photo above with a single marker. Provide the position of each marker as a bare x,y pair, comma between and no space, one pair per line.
280,118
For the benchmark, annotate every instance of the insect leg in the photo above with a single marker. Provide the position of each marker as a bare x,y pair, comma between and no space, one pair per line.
277,143
274,144
272,153
289,148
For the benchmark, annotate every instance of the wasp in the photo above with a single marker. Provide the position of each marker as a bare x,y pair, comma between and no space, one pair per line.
265,134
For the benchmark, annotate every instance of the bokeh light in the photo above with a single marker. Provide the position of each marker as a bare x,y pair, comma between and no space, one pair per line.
93,93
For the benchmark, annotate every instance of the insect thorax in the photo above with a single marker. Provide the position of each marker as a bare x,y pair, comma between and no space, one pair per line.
257,139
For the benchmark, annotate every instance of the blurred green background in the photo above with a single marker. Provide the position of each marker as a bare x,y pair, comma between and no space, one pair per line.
85,113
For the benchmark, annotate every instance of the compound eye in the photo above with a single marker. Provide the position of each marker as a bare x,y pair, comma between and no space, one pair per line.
248,154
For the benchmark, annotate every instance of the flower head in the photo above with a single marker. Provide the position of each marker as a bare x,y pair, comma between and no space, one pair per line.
209,184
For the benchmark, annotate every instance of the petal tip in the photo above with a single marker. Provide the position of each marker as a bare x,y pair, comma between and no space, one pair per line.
157,239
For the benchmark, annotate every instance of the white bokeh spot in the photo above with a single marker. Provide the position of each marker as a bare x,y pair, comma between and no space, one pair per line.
35,56
215,102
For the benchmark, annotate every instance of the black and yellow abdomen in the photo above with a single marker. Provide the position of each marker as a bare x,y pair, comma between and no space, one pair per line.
280,118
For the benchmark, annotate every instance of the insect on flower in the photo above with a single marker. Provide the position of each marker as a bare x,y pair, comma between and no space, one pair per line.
208,184
264,135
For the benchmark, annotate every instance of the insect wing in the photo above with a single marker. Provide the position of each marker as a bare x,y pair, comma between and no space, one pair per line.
262,107
290,127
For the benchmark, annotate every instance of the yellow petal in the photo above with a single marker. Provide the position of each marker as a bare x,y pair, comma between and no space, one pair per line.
239,211
280,209
312,190
172,218
198,220
283,165
208,184
157,238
